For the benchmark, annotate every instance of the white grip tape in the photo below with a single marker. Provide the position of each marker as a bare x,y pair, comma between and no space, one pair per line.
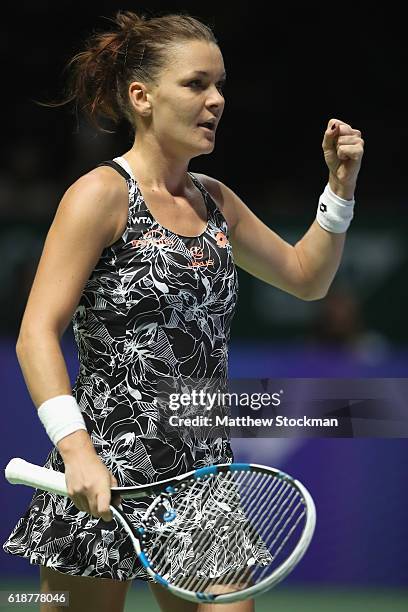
19,471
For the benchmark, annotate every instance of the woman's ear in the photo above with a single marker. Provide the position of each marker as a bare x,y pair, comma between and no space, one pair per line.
139,98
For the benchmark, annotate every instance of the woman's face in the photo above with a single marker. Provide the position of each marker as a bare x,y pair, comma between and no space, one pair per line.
188,94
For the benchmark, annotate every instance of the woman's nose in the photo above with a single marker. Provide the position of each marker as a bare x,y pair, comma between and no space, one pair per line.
216,98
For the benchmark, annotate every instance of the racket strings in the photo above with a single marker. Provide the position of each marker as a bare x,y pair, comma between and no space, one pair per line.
201,582
252,482
207,492
279,526
166,531
275,512
266,509
201,545
285,540
275,506
264,494
256,483
186,509
254,514
241,578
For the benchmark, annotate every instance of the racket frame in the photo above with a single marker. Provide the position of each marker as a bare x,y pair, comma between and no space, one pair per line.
273,579
19,471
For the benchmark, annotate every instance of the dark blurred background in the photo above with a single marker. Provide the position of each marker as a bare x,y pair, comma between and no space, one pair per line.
288,74
290,69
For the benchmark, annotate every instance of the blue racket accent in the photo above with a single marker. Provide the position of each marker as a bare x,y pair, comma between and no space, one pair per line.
141,530
170,489
143,560
205,596
285,476
242,467
212,469
169,515
161,580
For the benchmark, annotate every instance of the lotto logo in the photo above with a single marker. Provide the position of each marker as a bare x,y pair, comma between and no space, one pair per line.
196,253
323,207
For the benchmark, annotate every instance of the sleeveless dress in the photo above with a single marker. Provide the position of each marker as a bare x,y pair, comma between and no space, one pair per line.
157,306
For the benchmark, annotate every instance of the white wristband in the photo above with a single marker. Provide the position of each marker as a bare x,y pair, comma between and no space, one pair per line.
333,213
61,416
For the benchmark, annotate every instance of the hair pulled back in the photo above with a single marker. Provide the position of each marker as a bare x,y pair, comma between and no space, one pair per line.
136,49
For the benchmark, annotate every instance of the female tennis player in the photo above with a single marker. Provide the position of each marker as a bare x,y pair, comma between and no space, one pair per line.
140,255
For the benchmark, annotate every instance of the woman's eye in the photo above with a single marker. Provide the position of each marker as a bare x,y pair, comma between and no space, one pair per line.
195,84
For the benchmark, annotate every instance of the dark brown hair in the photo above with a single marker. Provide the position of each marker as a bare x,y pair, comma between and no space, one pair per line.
137,49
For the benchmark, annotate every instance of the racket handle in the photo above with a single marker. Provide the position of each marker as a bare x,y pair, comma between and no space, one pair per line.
19,471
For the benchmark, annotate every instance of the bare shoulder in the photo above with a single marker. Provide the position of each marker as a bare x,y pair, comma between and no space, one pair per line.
100,189
98,196
85,223
226,200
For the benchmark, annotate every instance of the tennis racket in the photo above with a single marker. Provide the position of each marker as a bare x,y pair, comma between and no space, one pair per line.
218,534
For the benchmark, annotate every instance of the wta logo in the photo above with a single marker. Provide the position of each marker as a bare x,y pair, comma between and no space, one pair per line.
143,220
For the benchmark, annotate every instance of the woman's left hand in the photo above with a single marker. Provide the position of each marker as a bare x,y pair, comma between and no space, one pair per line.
343,150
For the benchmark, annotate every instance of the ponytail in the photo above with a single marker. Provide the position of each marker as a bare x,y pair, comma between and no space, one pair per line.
135,50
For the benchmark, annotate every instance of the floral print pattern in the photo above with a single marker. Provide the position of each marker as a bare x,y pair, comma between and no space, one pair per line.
156,305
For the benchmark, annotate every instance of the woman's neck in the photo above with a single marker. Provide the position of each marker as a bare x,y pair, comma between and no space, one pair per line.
156,171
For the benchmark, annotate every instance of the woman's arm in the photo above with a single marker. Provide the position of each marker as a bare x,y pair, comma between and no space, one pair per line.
306,269
91,215
87,220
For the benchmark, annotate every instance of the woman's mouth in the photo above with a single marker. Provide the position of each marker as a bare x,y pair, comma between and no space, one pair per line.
208,128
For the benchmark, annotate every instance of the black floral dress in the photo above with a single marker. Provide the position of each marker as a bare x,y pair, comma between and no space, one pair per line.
157,305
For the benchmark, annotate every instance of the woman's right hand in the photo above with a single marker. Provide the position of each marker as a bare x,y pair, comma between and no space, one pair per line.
88,479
